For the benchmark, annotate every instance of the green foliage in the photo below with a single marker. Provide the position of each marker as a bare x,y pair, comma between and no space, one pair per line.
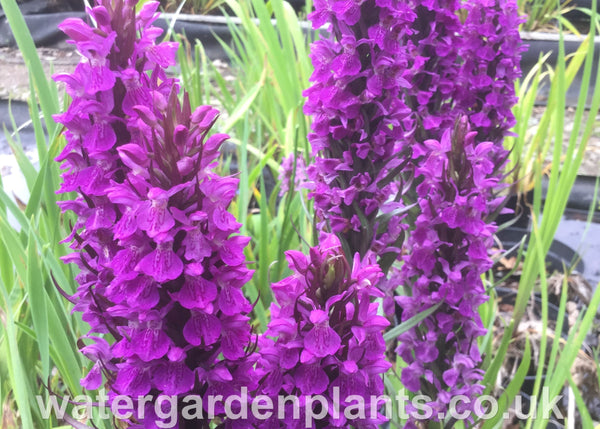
38,334
200,7
543,14
261,108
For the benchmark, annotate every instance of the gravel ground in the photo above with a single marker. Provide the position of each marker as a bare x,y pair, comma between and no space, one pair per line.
591,162
15,81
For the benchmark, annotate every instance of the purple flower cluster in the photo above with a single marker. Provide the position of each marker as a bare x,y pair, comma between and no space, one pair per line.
434,44
458,170
410,104
446,254
491,54
464,68
360,121
161,266
324,335
292,172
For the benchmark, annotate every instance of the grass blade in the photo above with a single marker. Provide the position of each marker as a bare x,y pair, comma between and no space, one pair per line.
37,303
405,326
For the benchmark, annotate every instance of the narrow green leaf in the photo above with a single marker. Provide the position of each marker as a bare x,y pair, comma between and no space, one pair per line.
37,302
584,414
25,42
513,388
264,256
69,360
42,187
491,373
40,138
405,326
17,253
559,325
20,382
243,106
25,166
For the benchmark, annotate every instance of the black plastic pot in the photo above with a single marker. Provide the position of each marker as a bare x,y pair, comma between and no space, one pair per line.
574,230
577,15
520,214
582,193
206,29
572,236
558,256
542,43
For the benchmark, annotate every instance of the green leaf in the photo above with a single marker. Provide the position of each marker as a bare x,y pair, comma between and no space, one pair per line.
18,376
584,414
17,253
243,106
513,388
491,373
37,302
405,326
25,166
25,43
264,248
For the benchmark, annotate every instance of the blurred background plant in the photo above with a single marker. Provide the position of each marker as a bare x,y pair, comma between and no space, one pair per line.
543,15
213,7
198,7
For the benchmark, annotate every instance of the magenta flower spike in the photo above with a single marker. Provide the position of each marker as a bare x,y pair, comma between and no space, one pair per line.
459,168
435,42
161,265
446,254
325,336
464,68
411,102
492,52
359,122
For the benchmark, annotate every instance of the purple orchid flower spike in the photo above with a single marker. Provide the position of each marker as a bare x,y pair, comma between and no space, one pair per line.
161,264
459,168
325,336
411,102
446,255
359,123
